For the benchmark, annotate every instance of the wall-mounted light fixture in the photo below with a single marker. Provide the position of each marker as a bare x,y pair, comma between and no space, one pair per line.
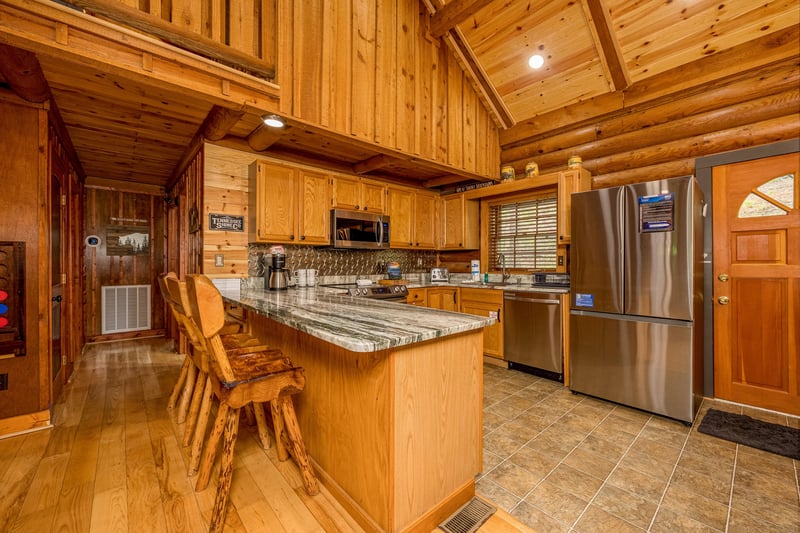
273,121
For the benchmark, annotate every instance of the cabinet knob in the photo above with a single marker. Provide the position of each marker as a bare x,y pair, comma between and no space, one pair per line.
357,207
722,277
291,237
302,237
365,208
723,300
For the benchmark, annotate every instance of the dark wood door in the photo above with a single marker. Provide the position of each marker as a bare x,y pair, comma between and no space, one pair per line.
757,283
56,293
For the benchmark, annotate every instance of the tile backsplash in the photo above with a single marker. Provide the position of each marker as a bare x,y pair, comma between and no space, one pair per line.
333,262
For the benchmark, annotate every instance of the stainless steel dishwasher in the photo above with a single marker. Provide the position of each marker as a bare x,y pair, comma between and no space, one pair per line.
532,333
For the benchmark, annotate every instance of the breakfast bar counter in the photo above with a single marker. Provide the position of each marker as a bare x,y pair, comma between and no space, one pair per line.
391,410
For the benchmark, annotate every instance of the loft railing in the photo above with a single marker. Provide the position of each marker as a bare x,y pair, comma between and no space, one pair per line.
237,33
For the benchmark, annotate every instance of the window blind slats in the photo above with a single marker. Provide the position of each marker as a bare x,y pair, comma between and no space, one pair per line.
525,233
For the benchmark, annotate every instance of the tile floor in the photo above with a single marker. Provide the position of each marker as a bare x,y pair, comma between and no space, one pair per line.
564,462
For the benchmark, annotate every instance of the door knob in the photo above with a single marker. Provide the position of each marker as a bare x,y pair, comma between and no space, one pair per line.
722,277
723,300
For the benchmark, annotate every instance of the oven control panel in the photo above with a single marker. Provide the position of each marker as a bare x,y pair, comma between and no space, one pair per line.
380,291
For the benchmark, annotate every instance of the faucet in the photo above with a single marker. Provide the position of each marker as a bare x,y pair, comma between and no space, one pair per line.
501,260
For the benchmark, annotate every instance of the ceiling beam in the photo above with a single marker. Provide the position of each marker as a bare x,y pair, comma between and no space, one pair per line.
454,39
373,163
219,122
469,63
193,42
23,73
454,13
605,40
264,136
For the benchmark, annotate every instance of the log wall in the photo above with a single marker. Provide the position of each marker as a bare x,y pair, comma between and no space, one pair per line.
656,129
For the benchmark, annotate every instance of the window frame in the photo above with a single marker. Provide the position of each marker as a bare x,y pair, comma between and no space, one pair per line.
486,204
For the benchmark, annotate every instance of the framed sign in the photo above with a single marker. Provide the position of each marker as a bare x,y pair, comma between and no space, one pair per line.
220,222
128,240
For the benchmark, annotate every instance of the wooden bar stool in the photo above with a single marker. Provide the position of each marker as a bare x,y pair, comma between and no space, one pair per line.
199,388
182,392
239,381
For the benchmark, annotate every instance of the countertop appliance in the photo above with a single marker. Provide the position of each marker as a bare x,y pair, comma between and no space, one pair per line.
440,275
278,276
636,335
394,293
532,333
355,229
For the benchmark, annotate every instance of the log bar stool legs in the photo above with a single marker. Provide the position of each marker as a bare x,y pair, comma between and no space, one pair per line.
256,378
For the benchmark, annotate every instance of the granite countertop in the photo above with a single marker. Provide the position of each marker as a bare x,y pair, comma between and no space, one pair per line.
356,324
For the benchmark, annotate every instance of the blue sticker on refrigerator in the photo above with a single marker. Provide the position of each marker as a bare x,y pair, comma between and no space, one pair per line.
584,300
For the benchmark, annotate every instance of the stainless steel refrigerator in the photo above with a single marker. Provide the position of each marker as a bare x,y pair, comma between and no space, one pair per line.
636,335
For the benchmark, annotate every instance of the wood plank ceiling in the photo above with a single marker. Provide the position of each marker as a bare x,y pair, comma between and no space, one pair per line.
138,132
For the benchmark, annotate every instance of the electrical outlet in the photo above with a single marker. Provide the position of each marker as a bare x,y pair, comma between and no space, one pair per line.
3,381
560,260
219,260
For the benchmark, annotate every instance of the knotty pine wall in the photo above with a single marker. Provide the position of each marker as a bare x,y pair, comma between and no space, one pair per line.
106,208
367,69
656,129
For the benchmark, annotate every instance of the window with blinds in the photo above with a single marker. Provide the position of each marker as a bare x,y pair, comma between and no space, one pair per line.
524,232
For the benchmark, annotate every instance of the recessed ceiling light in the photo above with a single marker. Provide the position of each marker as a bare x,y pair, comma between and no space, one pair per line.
536,61
273,121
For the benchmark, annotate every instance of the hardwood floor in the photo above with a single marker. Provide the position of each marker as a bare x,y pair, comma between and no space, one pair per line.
113,462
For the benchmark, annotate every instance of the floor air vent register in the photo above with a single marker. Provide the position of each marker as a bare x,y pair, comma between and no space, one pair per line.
469,518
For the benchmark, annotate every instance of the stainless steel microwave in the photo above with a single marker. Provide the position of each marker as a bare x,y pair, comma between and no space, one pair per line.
354,229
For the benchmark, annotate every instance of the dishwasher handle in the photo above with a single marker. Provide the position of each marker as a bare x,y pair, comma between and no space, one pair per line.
533,300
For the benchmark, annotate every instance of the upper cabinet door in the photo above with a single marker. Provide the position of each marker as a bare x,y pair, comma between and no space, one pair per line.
373,197
314,213
272,207
346,193
401,215
425,220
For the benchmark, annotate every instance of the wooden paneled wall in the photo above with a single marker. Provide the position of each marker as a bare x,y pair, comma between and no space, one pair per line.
656,129
106,208
24,179
369,69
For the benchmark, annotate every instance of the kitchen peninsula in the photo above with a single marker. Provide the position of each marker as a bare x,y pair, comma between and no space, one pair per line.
391,412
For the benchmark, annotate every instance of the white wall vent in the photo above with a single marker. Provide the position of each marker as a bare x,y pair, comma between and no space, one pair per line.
125,308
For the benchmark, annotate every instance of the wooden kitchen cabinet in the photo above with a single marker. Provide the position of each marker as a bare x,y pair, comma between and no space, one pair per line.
569,181
413,218
358,194
288,204
417,297
444,298
460,223
488,303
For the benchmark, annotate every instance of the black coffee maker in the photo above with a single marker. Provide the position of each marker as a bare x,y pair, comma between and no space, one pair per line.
278,276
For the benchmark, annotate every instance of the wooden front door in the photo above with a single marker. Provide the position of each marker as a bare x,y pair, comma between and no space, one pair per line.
757,283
